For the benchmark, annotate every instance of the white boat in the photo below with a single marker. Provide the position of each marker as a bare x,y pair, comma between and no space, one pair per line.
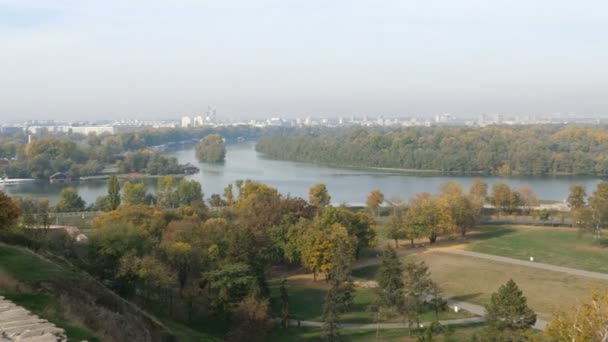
14,181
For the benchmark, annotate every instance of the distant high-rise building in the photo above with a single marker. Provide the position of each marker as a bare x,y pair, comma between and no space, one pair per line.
186,121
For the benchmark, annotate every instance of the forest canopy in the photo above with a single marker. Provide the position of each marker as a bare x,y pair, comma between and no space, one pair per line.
504,150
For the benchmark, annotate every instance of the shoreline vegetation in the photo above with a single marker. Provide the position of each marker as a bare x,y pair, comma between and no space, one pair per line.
538,150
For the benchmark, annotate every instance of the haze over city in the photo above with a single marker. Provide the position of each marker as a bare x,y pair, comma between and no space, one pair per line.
89,60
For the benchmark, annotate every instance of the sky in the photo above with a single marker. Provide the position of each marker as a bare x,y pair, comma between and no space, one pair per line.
110,59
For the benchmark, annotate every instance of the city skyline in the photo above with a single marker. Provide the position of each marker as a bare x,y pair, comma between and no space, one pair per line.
86,60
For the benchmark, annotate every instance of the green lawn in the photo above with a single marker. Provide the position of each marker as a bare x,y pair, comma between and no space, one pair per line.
458,333
306,303
48,308
555,246
28,267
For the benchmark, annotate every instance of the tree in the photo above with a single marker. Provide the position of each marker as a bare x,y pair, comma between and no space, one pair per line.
418,286
425,217
457,208
508,310
502,197
284,304
229,195
339,297
182,260
395,227
189,191
390,290
318,196
587,321
69,200
374,199
133,193
479,189
9,213
528,197
211,149
594,217
229,284
251,321
576,198
113,193
166,194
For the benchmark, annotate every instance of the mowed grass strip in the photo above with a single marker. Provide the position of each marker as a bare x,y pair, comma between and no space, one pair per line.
28,267
474,280
556,246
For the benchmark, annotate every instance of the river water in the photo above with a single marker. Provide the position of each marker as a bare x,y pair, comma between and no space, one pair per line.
345,185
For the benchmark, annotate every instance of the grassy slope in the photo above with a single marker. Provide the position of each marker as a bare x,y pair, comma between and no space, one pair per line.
26,268
556,246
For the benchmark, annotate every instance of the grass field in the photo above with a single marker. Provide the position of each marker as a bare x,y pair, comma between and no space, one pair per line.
306,303
458,333
555,246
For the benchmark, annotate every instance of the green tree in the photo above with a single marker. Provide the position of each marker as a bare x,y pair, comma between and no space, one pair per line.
318,196
113,193
339,297
576,198
390,290
284,304
597,217
211,149
508,310
133,193
396,227
69,200
418,286
229,195
229,284
166,194
374,199
189,191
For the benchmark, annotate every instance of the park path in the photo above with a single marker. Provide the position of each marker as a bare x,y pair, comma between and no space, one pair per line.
383,326
568,270
18,324
481,311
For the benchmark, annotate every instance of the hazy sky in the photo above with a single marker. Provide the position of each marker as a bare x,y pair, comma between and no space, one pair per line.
148,58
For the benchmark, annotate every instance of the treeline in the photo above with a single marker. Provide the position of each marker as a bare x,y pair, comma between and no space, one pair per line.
503,150
80,155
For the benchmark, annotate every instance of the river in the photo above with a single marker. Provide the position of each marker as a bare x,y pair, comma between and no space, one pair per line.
345,185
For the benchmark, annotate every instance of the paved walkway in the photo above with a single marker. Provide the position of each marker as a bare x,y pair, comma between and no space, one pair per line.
18,324
384,326
481,311
568,270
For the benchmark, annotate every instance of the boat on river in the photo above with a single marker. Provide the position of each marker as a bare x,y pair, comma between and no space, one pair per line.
15,181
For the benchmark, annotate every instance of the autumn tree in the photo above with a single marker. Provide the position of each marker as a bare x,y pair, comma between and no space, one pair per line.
587,321
251,321
133,193
457,208
503,198
113,193
596,217
374,199
508,311
166,194
479,189
9,212
395,227
528,197
576,198
424,217
318,196
69,200
211,149
229,195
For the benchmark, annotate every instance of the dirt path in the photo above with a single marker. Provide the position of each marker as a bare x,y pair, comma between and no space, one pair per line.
384,326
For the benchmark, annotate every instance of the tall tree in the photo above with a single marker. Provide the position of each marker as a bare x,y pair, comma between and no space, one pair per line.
418,286
390,290
502,197
9,213
395,227
166,194
458,208
479,189
189,191
339,297
576,198
508,310
251,321
229,195
598,210
133,193
211,149
318,196
69,200
528,197
374,199
113,193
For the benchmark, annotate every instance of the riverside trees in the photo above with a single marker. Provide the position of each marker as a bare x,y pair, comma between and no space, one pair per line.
211,149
